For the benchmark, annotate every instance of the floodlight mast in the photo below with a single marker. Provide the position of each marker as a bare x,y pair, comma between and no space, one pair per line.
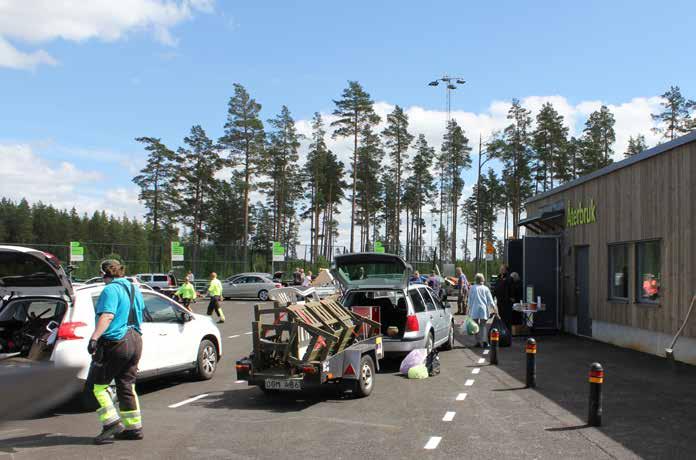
451,83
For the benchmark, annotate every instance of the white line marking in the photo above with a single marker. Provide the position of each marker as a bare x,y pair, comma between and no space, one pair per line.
461,396
449,416
190,400
482,360
247,333
485,352
476,370
233,336
240,381
433,442
469,382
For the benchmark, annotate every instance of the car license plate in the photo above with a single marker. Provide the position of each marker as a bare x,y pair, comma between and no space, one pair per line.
278,384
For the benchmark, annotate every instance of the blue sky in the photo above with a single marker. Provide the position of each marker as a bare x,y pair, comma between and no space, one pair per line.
74,97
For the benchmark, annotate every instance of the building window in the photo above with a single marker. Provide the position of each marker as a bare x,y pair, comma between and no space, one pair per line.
618,271
648,274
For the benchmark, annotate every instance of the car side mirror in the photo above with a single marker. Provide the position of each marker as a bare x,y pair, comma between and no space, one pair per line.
186,317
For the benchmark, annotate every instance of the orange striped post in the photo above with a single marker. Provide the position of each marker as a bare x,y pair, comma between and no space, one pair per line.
531,350
596,379
495,339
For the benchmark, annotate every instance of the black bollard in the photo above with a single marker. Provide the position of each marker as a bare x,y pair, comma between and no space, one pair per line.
531,350
596,378
495,338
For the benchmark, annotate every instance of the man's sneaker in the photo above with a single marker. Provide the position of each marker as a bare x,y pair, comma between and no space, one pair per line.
108,431
129,435
221,321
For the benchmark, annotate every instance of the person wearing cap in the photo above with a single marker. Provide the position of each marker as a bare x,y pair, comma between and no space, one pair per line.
116,345
186,294
215,292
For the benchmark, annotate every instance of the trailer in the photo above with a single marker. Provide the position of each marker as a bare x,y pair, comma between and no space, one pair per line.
304,342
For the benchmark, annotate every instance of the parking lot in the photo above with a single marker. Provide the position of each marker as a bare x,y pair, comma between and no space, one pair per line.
470,410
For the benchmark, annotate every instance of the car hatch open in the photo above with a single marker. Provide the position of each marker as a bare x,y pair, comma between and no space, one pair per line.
371,270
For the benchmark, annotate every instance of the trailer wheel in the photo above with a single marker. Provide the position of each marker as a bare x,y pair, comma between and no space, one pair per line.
366,377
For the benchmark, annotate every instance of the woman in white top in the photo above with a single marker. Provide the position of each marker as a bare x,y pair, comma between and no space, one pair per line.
481,305
307,280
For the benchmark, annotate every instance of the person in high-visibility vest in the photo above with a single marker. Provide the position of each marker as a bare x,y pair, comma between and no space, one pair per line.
186,294
215,292
116,345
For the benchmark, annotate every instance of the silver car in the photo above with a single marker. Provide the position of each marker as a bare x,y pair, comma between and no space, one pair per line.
248,286
412,316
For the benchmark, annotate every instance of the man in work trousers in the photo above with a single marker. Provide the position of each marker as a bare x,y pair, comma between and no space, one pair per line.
462,291
116,346
215,292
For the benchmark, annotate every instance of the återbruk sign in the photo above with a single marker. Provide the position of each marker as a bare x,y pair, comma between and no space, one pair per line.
581,215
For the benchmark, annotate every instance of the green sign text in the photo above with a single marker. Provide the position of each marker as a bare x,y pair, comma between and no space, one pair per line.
581,215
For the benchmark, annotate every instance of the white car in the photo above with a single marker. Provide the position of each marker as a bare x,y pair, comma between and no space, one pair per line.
43,318
100,280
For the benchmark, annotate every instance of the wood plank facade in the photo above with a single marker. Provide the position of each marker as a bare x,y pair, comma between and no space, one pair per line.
649,197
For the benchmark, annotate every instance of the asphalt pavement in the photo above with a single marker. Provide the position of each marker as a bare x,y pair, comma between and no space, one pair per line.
470,410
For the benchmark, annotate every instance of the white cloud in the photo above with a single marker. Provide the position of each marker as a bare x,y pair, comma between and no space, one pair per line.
42,21
26,174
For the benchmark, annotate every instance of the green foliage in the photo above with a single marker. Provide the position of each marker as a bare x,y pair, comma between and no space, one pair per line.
369,194
635,145
549,142
675,119
598,140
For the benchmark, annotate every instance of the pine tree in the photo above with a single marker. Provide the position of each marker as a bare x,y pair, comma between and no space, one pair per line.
355,113
244,140
284,186
196,182
549,139
635,145
456,154
156,190
676,119
368,186
598,139
397,140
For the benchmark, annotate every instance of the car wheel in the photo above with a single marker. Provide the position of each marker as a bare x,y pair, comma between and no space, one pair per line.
449,345
263,295
429,343
366,377
207,360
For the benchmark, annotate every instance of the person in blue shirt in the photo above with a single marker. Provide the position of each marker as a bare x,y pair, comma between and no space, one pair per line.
116,346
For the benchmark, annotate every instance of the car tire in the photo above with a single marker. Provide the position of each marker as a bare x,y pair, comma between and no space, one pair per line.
449,345
207,361
429,342
366,377
263,295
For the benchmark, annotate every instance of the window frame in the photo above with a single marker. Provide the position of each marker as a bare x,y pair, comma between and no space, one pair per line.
427,304
414,292
637,292
611,273
147,315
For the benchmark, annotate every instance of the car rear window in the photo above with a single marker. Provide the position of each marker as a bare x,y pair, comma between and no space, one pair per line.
25,270
160,278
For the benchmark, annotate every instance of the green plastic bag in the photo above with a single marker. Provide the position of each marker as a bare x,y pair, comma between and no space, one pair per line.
471,327
418,372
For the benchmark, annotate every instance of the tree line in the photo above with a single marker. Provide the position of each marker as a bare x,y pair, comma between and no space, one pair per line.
393,179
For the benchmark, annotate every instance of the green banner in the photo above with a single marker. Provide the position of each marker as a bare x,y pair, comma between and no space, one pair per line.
177,252
77,252
379,247
278,251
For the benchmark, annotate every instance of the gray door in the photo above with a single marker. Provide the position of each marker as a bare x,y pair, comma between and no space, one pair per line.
582,290
435,314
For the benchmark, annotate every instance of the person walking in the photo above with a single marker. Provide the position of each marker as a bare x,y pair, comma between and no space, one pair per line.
189,277
503,295
307,281
186,294
215,293
481,304
462,291
115,346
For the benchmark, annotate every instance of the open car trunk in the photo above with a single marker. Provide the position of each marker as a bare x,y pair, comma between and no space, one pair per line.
392,308
34,297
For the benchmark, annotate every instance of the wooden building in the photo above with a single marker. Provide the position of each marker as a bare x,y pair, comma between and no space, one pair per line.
627,248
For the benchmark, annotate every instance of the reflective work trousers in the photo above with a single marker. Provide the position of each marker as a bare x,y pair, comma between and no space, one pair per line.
214,306
117,361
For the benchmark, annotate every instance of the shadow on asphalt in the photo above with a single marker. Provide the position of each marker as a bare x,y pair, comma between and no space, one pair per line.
10,445
254,399
648,407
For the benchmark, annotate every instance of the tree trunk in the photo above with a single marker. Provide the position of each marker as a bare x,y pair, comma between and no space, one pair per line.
355,163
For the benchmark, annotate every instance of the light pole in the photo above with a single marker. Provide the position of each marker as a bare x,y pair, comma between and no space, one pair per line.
451,83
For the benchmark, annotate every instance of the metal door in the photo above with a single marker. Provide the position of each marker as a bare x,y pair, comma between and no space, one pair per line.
582,290
541,266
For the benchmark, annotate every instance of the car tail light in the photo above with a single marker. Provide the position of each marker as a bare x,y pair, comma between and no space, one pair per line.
309,369
349,370
66,331
412,323
170,281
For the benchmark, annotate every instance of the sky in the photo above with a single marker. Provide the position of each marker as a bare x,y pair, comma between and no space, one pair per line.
79,81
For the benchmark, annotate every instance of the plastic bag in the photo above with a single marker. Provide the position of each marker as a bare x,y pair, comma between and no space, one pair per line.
432,363
505,338
472,328
418,372
414,358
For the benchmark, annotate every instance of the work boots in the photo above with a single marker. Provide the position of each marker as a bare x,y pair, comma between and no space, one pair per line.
112,429
130,435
